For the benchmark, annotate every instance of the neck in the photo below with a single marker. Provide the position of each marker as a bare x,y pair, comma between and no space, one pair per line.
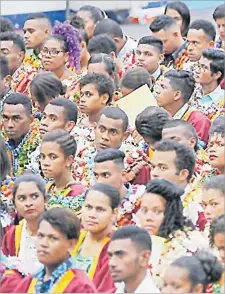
134,282
18,141
123,42
180,42
206,89
63,180
99,236
173,108
84,62
50,269
123,192
37,50
32,227
60,72
94,117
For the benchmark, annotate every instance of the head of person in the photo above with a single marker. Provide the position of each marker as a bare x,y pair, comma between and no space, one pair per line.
213,197
29,196
96,91
109,167
192,274
173,161
6,25
135,78
180,131
61,48
149,53
36,29
17,116
218,16
201,36
60,113
150,122
167,29
216,144
5,78
102,63
91,16
58,149
129,252
217,233
44,87
212,67
111,129
102,44
57,235
4,161
99,208
181,14
13,47
176,89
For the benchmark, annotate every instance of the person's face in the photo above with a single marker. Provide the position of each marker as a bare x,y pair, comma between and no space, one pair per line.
97,214
29,201
219,242
53,247
206,77
53,160
221,27
53,56
212,203
197,42
168,38
163,167
109,133
90,100
54,118
216,151
14,55
35,32
176,16
16,121
98,68
148,57
89,23
151,212
165,94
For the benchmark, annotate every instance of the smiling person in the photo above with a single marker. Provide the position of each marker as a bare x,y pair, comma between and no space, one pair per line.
90,254
218,16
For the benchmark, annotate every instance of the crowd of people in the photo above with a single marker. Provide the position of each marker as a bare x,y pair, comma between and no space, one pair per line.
90,203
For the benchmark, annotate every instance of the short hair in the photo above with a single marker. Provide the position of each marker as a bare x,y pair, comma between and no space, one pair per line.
162,22
95,13
16,38
184,12
205,25
6,25
187,128
70,108
102,82
140,237
110,191
64,219
102,44
4,161
185,157
116,113
183,81
46,85
150,122
37,15
216,226
4,67
216,182
19,98
78,23
110,27
136,77
110,154
106,59
28,177
217,126
203,268
217,58
219,12
66,141
152,41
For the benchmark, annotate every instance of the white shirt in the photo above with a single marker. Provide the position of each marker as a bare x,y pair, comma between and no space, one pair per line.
146,286
130,46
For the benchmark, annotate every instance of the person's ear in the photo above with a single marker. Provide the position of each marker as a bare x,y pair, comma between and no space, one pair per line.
95,125
113,55
144,258
192,142
123,176
31,117
69,160
175,34
83,45
104,98
21,56
126,135
211,45
161,58
69,126
198,289
217,75
178,96
66,57
47,31
184,173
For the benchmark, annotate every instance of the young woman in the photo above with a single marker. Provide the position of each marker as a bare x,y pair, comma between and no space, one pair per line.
90,254
58,149
192,274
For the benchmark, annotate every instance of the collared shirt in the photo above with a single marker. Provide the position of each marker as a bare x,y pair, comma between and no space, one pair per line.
171,58
157,73
129,47
213,97
181,112
146,286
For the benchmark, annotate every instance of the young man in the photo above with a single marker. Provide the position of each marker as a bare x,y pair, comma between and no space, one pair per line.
129,253
174,94
218,16
109,168
166,28
5,80
175,162
57,235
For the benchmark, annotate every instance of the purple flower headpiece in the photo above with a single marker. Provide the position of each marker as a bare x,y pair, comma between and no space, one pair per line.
72,38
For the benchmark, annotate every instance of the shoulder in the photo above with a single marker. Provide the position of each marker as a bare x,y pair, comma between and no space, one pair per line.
76,189
80,283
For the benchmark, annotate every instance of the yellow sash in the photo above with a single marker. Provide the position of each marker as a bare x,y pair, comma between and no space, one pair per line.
188,113
18,232
60,285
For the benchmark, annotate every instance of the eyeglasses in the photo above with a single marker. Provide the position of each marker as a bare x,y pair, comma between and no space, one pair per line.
52,52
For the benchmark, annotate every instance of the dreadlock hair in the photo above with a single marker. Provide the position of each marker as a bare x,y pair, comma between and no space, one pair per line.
216,226
173,217
136,77
217,126
66,142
